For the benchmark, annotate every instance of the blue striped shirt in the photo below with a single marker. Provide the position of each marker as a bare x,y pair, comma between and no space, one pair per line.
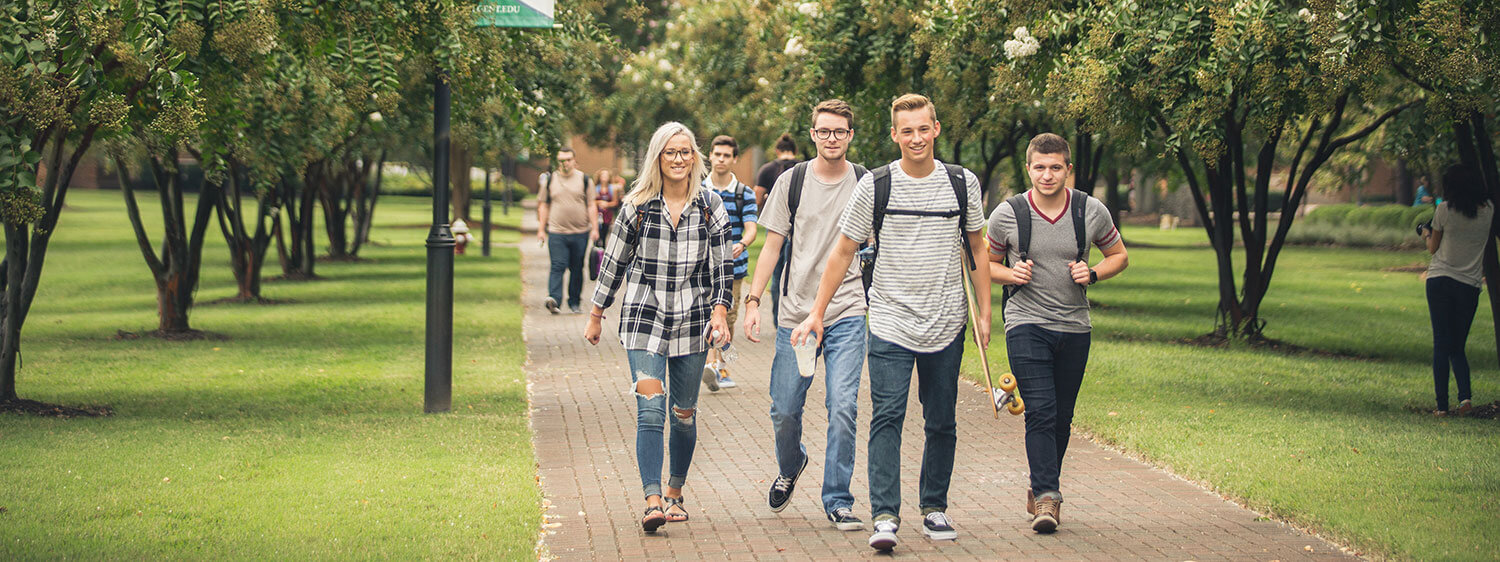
741,210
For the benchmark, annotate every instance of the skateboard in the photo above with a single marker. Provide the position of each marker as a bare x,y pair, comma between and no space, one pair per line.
1005,396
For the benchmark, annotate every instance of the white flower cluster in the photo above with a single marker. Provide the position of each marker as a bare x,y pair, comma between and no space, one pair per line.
809,9
1024,45
1307,15
794,47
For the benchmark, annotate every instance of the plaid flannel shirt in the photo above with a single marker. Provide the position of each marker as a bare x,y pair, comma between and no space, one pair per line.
672,277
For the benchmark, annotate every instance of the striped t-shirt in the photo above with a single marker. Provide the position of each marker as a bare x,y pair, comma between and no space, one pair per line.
917,296
741,210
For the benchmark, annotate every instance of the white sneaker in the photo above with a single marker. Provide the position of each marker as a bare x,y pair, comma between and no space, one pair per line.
938,527
884,538
711,378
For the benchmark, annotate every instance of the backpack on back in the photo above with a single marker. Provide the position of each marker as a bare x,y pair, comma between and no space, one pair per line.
553,175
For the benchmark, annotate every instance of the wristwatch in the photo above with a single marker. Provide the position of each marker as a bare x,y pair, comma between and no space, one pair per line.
752,298
1093,276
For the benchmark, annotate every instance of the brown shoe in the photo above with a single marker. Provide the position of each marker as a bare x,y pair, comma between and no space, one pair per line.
1048,514
1465,407
1030,502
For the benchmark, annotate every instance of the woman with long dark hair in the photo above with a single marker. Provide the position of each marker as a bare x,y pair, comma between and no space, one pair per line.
670,249
1460,228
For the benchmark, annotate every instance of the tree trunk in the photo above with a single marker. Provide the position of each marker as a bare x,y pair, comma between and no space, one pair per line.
1112,194
14,268
175,270
460,189
1406,185
298,202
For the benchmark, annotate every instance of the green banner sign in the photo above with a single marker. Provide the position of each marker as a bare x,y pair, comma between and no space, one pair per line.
514,13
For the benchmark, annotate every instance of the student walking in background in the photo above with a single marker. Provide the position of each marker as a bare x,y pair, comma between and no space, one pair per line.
567,217
1457,236
739,203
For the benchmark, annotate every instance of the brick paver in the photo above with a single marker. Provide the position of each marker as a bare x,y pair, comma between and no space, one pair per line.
582,415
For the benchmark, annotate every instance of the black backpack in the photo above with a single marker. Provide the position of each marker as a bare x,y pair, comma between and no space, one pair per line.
1021,207
883,198
794,199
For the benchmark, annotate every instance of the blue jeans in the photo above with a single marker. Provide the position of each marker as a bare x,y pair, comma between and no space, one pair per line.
682,376
937,389
1451,305
843,352
567,252
1049,371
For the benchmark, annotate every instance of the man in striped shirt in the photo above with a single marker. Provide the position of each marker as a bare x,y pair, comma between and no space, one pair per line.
917,309
739,203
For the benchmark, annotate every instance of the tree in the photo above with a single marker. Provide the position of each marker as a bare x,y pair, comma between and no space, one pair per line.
1221,84
70,72
1446,48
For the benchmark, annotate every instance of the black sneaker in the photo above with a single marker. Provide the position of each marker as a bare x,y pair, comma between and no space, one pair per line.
884,538
938,527
781,489
844,520
551,305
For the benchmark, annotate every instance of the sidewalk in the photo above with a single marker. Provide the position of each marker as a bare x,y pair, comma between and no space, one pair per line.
583,420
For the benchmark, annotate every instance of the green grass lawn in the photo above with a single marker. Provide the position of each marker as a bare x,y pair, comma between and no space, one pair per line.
1342,446
299,435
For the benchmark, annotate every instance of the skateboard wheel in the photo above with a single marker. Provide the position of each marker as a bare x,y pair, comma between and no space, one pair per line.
1016,406
1007,382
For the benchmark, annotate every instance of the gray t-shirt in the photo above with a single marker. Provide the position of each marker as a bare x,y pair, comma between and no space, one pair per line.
1051,300
814,238
917,298
1460,251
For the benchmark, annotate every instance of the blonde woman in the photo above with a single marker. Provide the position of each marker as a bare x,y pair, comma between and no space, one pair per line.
670,248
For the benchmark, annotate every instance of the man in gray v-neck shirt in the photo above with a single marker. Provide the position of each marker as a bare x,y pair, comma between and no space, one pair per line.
1047,317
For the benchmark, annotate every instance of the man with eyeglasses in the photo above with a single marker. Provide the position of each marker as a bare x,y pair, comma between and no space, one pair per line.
567,215
804,240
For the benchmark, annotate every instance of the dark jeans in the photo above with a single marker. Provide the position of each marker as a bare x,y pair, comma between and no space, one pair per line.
1451,305
937,389
567,252
1049,371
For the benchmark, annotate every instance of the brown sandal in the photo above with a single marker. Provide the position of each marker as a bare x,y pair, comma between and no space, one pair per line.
677,503
653,519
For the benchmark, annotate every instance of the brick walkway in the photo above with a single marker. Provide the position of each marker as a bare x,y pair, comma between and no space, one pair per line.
584,423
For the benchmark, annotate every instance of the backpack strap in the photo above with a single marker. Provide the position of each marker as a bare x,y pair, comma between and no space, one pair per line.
1080,211
739,201
1021,208
794,199
961,193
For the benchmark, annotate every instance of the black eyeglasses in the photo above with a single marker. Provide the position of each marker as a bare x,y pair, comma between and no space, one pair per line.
837,134
677,154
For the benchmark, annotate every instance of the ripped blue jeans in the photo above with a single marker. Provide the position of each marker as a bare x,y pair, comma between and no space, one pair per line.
682,375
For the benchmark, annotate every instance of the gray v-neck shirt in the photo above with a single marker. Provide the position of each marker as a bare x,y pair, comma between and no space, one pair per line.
1051,300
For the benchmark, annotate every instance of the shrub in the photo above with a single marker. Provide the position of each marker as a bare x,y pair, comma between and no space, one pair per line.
1329,214
1390,216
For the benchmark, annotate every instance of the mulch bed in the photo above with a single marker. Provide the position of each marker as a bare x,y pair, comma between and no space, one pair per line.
34,408
1483,411
190,335
251,300
1417,267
